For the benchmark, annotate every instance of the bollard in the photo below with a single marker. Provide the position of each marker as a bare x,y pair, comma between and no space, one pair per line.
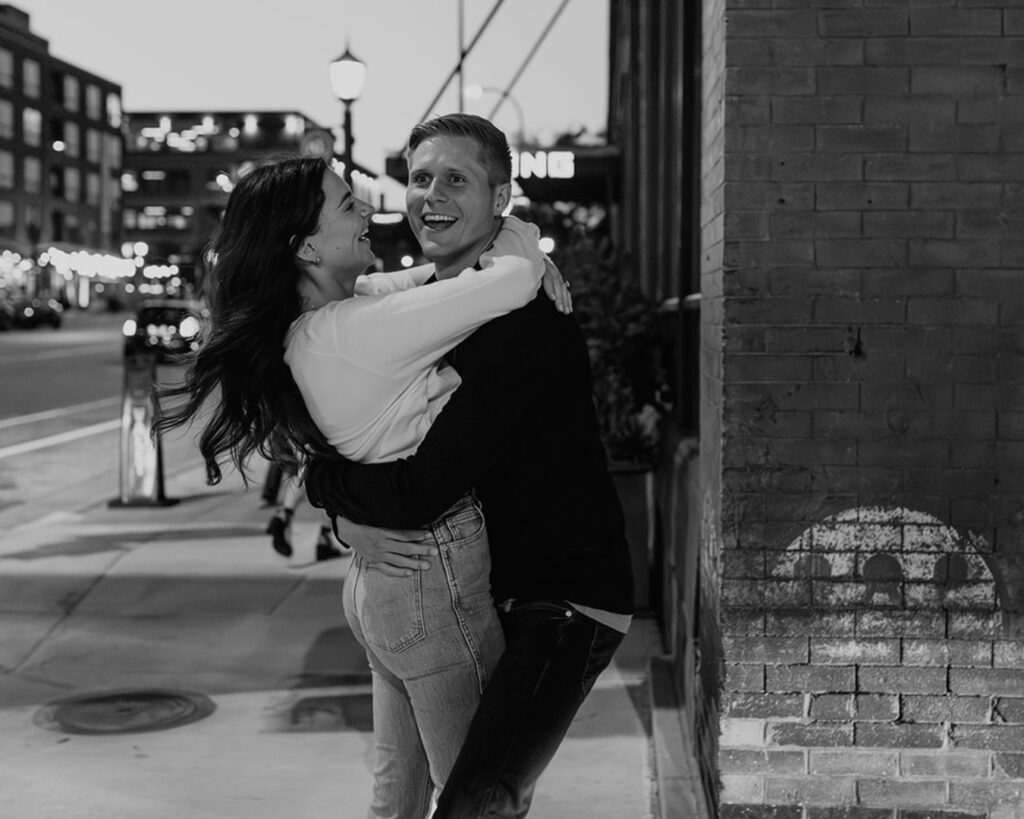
141,465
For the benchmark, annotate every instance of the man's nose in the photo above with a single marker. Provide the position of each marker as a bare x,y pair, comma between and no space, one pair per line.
436,190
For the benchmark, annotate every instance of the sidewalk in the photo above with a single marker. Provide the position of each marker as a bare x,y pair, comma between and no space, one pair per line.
235,669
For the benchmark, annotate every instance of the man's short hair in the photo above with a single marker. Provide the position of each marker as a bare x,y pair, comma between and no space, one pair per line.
494,153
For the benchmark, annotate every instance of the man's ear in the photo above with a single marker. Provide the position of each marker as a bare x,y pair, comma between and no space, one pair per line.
306,251
502,196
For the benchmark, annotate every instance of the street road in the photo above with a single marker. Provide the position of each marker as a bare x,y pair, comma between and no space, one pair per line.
60,408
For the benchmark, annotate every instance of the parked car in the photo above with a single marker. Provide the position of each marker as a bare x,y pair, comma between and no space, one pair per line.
165,327
6,315
33,311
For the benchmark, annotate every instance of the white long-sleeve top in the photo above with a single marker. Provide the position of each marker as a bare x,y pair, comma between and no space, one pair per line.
369,367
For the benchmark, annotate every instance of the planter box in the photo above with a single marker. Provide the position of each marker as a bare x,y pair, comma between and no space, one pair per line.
635,485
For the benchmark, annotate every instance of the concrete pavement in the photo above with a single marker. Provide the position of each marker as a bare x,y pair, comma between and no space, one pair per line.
246,693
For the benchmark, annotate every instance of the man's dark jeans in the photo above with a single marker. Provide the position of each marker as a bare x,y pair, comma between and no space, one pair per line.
552,658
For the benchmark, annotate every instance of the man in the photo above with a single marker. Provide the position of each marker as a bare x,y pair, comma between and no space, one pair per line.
521,431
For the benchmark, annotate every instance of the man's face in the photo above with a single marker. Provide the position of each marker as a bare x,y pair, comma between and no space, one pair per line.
452,206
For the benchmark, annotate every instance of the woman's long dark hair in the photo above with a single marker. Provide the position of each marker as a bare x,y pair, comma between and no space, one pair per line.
253,297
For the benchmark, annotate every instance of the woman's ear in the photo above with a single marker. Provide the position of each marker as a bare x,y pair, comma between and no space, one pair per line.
307,252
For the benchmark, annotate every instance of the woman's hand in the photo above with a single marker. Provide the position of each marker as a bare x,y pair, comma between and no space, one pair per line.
395,552
556,287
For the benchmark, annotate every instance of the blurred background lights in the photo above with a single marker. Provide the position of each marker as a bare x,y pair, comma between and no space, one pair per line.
547,244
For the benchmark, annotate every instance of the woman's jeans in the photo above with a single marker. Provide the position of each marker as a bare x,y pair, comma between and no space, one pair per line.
432,640
553,656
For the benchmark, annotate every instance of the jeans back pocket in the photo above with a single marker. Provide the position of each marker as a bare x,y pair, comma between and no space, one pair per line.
391,610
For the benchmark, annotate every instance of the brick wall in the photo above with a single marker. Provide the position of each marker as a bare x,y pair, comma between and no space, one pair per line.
708,680
862,437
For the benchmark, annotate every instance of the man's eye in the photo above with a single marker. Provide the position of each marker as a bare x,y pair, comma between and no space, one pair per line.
455,179
420,180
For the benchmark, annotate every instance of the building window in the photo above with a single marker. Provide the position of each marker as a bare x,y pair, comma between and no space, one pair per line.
6,169
32,127
72,184
157,217
171,182
93,102
31,78
6,119
71,91
113,151
93,145
113,110
72,141
6,69
57,182
33,222
6,214
57,225
92,188
33,170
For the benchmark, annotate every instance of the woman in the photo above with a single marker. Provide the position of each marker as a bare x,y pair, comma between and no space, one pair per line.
287,262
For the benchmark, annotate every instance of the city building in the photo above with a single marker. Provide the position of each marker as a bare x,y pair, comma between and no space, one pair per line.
60,167
179,168
825,199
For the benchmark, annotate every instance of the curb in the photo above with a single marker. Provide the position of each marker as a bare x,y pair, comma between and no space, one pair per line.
680,794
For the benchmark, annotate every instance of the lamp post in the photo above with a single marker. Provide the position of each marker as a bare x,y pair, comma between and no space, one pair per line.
348,73
476,91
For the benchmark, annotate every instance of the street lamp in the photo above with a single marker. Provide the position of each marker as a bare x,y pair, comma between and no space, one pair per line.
348,74
476,91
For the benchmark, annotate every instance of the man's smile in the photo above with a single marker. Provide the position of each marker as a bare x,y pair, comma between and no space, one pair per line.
437,221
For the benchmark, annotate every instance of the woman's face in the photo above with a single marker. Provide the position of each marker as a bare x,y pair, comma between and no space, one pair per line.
341,240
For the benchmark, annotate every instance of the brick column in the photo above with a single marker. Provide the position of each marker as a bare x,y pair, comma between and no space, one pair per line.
863,413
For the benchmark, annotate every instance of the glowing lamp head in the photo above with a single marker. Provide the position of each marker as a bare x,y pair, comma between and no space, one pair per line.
348,74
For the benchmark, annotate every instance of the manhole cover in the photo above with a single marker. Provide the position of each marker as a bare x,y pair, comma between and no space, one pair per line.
124,712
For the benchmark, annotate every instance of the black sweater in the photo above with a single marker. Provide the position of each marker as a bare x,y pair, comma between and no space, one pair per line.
521,431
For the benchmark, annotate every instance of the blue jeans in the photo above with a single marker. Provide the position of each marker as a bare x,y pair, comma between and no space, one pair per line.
432,640
553,656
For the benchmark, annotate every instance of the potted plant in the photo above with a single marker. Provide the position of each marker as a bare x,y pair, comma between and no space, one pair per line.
632,395
620,322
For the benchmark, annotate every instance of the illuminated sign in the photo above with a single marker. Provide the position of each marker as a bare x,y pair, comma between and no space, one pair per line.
543,164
